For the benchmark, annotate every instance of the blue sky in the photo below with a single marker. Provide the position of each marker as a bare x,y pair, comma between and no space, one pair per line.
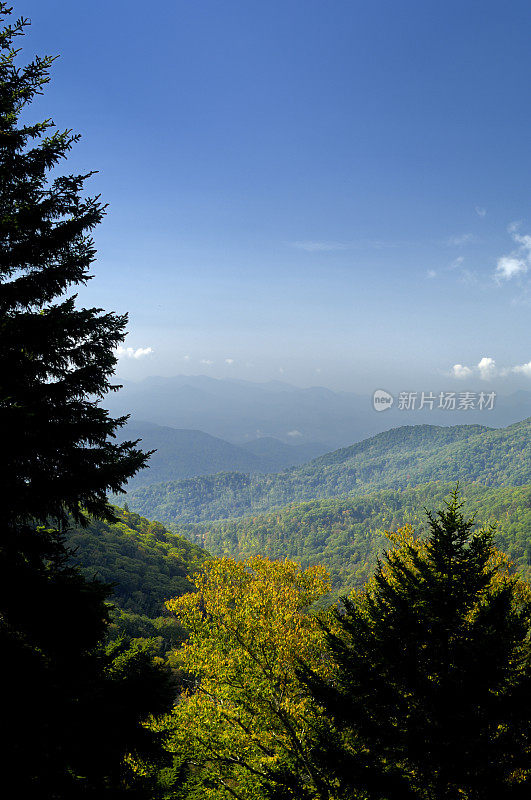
330,193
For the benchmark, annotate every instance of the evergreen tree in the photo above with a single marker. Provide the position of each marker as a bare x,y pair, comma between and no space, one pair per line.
430,691
64,695
56,360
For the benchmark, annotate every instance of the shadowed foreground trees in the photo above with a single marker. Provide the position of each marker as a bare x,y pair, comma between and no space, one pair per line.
424,683
430,691
70,708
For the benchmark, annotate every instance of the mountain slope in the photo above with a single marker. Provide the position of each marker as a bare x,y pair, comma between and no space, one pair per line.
146,563
395,459
346,534
185,453
277,456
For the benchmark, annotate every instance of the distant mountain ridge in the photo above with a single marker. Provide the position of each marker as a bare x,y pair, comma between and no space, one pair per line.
241,411
188,453
395,459
277,456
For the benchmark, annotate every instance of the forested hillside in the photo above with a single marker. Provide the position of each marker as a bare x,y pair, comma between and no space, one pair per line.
347,534
286,620
145,563
400,458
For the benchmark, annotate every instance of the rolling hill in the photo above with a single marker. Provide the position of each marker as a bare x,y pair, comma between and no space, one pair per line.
346,534
148,563
187,453
396,459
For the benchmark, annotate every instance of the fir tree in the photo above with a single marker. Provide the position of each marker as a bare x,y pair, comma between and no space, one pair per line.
64,697
56,359
430,692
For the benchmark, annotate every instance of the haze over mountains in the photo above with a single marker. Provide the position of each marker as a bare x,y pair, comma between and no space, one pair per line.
240,411
306,501
186,453
333,509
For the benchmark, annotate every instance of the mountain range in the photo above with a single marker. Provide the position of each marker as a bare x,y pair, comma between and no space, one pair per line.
396,459
241,411
332,510
148,563
187,453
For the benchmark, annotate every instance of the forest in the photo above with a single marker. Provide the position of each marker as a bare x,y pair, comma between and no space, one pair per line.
347,534
147,562
355,628
245,635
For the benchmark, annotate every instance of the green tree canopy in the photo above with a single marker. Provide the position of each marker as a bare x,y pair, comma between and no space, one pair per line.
429,695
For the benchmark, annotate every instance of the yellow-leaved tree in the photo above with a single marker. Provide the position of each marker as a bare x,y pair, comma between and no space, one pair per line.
243,711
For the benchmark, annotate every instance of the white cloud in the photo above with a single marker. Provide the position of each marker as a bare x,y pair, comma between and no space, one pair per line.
510,266
319,247
517,262
523,369
481,212
468,277
130,352
487,368
186,358
294,434
206,361
229,361
459,371
431,273
524,240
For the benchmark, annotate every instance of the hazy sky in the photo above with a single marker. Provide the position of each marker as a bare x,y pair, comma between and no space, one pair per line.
331,193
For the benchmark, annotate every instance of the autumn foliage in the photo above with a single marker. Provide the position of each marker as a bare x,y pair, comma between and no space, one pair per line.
243,710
